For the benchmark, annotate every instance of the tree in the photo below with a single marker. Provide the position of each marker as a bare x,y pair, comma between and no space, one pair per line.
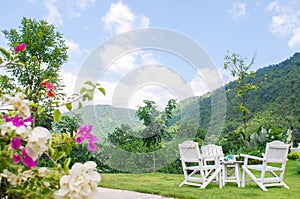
240,70
45,53
121,135
156,124
68,124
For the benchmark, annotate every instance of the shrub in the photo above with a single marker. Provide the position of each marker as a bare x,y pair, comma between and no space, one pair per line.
294,155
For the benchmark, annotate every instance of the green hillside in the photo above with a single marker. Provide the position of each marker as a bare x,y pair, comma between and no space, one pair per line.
275,104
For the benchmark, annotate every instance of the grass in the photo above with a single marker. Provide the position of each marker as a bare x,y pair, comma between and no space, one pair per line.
167,185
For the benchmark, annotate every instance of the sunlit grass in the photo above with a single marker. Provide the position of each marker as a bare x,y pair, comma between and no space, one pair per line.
167,185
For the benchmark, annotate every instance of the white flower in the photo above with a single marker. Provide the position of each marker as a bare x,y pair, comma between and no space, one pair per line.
47,184
7,127
24,110
11,178
36,143
19,103
42,172
81,183
14,179
23,131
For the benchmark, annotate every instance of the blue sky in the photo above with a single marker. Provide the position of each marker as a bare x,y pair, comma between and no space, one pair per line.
270,29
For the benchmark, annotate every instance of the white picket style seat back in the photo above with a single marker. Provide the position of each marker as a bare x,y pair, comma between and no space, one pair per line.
210,151
194,168
276,152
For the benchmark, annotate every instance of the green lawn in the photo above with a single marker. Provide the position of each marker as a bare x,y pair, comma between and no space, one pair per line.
167,185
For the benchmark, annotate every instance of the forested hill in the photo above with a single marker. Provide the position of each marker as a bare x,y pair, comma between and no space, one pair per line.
275,104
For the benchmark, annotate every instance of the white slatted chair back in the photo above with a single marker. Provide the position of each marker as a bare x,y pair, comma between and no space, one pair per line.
189,151
276,152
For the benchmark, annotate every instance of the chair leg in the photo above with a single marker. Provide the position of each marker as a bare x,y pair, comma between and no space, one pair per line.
183,182
237,174
220,180
244,178
213,176
224,173
255,179
285,186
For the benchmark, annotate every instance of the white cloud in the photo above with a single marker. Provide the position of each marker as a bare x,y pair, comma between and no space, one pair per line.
238,10
127,62
84,3
69,80
285,19
160,95
73,46
285,22
154,82
54,16
120,19
198,85
294,42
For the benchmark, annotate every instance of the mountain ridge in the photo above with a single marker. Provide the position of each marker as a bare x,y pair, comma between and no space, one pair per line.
275,103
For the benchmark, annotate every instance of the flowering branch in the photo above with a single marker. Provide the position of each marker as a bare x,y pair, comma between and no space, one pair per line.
22,144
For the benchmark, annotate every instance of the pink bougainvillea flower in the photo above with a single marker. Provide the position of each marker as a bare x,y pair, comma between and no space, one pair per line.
50,86
15,143
28,120
92,146
79,139
17,120
51,94
28,161
92,140
20,47
17,158
84,133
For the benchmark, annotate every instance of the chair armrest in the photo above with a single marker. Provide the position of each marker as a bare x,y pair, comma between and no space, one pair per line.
252,157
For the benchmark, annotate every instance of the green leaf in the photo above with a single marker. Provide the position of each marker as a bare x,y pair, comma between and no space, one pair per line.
79,105
82,90
5,53
69,106
67,164
51,151
40,109
56,115
61,154
102,90
89,83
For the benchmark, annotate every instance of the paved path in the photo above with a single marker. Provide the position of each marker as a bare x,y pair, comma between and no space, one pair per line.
105,193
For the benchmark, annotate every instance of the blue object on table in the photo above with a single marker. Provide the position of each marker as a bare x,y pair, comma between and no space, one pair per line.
229,157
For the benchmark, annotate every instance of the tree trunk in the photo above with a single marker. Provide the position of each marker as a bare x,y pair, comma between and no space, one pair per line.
154,161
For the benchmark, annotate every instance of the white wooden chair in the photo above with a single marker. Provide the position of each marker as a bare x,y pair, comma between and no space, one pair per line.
211,150
213,154
276,154
194,168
